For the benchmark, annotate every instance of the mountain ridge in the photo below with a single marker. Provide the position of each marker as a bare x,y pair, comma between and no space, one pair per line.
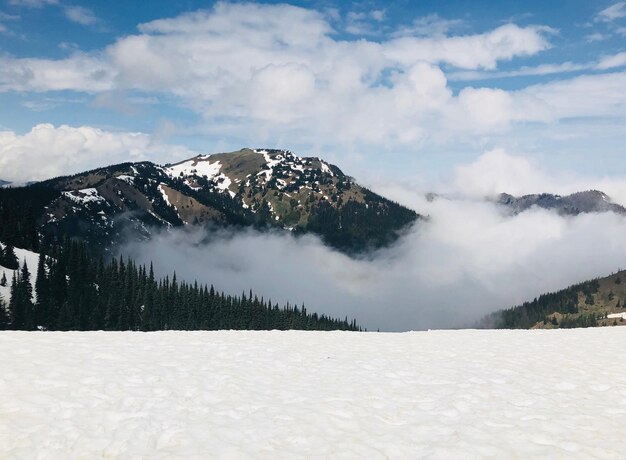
261,188
573,204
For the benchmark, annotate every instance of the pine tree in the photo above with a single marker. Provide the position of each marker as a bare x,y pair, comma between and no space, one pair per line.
4,317
42,294
9,259
3,280
26,294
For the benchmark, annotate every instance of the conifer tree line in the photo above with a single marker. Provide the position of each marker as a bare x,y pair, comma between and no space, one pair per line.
76,291
540,310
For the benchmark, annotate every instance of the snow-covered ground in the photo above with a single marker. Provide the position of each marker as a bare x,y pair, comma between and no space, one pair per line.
439,394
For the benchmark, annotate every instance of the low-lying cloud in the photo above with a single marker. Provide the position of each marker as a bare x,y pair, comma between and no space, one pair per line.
468,259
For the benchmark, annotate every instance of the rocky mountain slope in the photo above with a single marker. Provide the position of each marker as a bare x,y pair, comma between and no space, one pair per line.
598,302
258,188
574,204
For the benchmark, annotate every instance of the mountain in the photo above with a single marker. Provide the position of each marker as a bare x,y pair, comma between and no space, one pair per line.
4,183
598,302
266,189
574,204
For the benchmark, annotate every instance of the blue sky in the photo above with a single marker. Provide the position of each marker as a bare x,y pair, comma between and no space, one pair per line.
386,90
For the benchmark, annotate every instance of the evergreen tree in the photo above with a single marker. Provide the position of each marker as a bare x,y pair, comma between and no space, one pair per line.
4,316
42,294
3,280
9,259
26,295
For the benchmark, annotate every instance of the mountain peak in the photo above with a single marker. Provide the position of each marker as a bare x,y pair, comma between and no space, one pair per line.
264,188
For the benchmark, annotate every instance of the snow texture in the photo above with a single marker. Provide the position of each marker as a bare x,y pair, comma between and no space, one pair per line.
440,394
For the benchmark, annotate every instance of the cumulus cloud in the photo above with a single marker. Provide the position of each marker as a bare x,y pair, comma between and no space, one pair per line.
278,74
280,69
498,171
65,150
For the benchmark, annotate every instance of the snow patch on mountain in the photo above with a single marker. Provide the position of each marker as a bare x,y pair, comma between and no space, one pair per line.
126,178
325,168
84,196
165,197
200,166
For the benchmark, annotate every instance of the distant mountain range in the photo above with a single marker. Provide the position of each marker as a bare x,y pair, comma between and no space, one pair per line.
589,201
265,189
574,204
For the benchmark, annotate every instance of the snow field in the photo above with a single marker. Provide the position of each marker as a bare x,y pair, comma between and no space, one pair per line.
440,394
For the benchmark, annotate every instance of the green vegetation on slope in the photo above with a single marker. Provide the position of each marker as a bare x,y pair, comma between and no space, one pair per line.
582,305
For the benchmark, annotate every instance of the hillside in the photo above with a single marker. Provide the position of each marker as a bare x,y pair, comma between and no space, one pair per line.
599,302
66,288
248,188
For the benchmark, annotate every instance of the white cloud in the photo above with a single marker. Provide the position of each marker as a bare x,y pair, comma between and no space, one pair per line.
378,15
497,171
596,37
80,72
81,15
33,3
431,25
613,12
65,150
471,51
611,62
277,73
6,17
586,96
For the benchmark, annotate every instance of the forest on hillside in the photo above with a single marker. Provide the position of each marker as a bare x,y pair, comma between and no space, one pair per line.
77,291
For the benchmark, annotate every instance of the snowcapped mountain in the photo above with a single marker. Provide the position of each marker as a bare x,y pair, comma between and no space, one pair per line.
574,204
260,188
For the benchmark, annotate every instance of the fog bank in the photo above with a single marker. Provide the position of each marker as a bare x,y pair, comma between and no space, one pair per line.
468,259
